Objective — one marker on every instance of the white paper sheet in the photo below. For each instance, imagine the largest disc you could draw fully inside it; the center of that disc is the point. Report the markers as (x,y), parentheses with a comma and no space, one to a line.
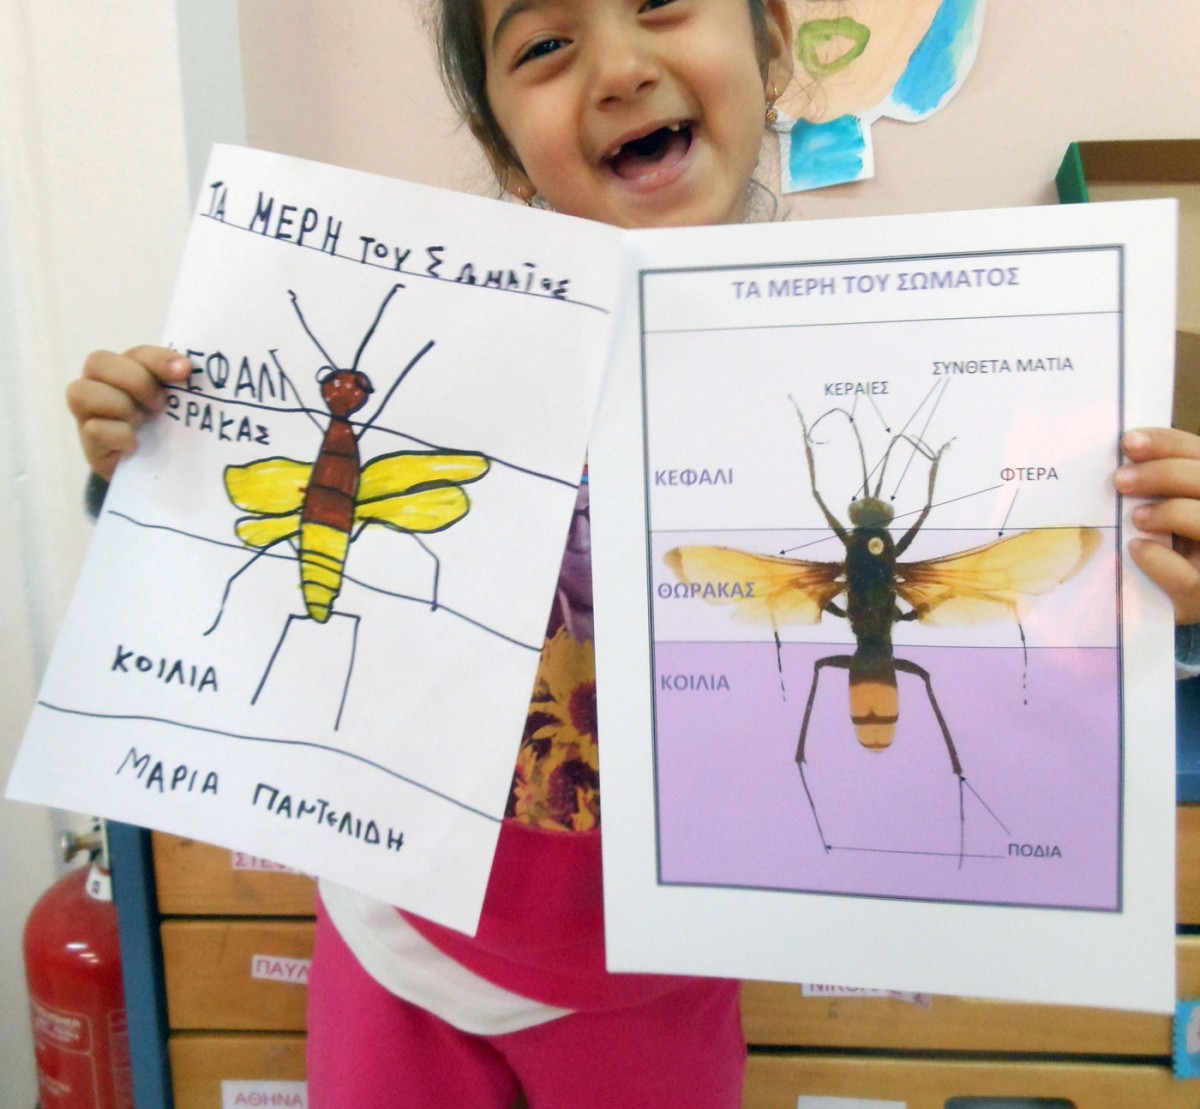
(984,365)
(378,745)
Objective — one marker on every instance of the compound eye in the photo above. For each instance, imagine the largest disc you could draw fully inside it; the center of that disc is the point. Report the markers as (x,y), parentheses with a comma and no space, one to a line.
(875,545)
(364,383)
(324,374)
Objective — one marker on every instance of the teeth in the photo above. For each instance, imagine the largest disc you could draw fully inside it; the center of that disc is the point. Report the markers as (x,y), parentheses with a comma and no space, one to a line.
(674,128)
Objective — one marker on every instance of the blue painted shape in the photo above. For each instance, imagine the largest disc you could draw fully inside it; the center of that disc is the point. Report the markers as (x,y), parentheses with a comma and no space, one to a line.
(1187,1039)
(826,153)
(933,69)
(141,964)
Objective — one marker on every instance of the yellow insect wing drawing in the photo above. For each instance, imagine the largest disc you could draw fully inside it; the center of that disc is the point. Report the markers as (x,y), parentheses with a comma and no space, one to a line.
(763,587)
(423,511)
(989,583)
(398,473)
(269,487)
(264,531)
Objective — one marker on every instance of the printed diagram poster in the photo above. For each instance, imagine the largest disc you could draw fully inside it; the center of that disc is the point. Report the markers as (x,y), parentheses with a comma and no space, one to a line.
(896,699)
(309,624)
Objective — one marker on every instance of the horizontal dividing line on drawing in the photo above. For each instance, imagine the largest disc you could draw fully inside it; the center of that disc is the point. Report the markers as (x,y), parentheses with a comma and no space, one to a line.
(321,413)
(926,529)
(306,743)
(865,323)
(406,273)
(886,259)
(424,601)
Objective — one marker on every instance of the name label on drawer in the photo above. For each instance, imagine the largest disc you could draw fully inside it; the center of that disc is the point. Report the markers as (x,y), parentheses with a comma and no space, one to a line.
(276,968)
(287,1095)
(242,861)
(813,990)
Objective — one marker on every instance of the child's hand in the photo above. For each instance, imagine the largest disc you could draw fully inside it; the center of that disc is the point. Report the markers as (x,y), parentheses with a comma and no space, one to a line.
(115,394)
(1165,463)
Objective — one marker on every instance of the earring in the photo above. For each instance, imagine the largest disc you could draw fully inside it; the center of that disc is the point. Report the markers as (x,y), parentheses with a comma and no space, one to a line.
(526,195)
(772,113)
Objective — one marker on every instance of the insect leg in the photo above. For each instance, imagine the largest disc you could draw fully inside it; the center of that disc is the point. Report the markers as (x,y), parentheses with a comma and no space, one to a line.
(233,577)
(919,671)
(842,662)
(935,458)
(271,662)
(350,668)
(437,565)
(830,518)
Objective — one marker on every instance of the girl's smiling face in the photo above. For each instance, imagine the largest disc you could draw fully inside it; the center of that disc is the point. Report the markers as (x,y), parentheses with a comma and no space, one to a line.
(639,113)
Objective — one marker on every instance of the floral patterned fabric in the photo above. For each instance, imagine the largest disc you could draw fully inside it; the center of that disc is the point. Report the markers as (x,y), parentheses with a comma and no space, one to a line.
(557,780)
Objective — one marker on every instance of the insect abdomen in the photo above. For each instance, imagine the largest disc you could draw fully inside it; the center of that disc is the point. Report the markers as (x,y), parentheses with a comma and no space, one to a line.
(322,556)
(327,517)
(874,703)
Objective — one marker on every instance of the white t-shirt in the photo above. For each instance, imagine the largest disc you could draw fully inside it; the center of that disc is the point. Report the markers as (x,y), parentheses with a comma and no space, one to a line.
(404,962)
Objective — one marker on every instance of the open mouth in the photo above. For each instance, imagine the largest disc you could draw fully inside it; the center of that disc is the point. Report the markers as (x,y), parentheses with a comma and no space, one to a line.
(653,152)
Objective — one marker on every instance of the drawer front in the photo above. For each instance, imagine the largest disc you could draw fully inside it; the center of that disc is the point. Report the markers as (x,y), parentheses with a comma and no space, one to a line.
(229,975)
(779,1081)
(201,1062)
(1187,864)
(198,879)
(775,1014)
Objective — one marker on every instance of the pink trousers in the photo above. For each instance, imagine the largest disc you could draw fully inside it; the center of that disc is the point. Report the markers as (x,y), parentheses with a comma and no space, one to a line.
(368,1049)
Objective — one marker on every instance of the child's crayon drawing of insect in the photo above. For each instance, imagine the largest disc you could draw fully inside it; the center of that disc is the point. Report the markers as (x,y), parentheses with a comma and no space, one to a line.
(320,508)
(989,583)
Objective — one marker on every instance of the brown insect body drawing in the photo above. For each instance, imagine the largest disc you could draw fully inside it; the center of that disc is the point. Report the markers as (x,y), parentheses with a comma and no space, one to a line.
(320,508)
(877,590)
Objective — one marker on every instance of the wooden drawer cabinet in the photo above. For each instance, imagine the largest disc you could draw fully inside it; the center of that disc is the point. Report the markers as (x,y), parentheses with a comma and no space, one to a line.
(1187,865)
(197,879)
(237,938)
(776,1015)
(237,974)
(778,1081)
(234,938)
(201,1062)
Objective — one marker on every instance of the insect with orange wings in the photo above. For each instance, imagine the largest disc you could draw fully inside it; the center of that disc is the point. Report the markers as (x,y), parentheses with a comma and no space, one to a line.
(976,586)
(320,508)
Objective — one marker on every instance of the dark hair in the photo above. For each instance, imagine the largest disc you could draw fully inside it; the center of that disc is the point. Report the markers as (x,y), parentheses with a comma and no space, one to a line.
(462,53)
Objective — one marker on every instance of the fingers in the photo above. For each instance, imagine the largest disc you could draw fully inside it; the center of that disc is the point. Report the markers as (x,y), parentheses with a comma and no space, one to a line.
(115,394)
(1163,462)
(1164,468)
(1146,443)
(105,443)
(1176,574)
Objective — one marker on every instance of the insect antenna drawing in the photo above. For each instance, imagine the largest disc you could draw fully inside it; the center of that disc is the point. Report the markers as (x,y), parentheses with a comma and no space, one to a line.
(320,508)
(872,590)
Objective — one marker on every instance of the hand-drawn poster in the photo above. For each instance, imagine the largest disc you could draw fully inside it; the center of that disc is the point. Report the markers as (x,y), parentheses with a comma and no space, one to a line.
(884,704)
(310,620)
(856,63)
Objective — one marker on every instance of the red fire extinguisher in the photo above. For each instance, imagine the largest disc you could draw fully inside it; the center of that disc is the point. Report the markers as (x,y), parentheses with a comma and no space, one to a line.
(76,999)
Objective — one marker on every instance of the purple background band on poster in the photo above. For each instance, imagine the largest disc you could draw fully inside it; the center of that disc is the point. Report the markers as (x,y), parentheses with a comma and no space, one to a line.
(732,810)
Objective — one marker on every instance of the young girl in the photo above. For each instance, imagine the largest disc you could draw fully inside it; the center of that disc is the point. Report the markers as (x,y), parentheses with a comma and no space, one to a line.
(639,113)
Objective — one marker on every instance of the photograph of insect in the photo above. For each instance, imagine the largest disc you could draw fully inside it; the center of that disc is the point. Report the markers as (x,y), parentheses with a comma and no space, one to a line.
(873,590)
(321,507)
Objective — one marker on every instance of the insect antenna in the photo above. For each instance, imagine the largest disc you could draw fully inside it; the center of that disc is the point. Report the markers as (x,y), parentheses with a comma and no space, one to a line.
(862,454)
(396,385)
(374,324)
(308,330)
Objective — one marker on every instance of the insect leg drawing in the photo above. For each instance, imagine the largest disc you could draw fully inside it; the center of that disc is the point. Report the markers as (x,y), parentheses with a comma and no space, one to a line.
(877,591)
(320,508)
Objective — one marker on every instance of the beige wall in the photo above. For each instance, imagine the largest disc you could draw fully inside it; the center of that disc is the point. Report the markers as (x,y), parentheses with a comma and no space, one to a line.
(354,84)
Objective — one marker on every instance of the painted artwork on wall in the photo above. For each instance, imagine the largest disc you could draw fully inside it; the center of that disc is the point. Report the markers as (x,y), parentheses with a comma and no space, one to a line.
(860,61)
